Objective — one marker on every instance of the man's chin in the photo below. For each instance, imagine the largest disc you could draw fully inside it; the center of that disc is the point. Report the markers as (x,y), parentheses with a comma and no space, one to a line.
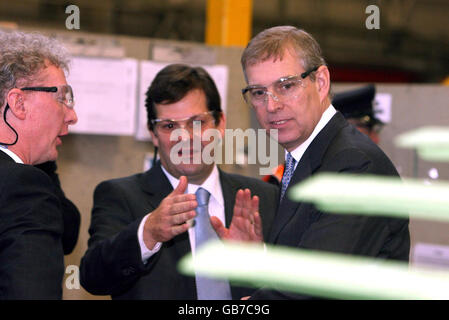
(190,169)
(52,156)
(45,159)
(194,171)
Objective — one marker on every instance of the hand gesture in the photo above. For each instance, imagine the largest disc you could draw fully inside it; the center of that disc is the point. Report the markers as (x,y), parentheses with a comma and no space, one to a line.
(171,217)
(246,224)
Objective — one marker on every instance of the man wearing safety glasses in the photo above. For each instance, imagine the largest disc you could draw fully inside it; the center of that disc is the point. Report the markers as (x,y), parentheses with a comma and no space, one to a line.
(36,106)
(289,90)
(143,224)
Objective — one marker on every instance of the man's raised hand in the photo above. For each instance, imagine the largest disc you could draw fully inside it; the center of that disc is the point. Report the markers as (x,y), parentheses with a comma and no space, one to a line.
(246,224)
(171,217)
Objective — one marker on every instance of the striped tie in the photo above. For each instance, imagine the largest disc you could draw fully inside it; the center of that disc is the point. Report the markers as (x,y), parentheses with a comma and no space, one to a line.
(288,173)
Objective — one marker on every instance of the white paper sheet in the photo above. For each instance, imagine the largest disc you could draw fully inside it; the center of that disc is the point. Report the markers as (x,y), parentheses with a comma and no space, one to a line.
(105,93)
(382,107)
(431,255)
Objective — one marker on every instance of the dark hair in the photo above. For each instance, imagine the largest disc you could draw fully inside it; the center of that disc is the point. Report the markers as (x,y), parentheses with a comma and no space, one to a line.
(174,82)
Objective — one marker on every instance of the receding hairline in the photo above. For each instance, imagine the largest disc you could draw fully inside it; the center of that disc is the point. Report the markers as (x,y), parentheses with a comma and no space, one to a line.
(278,55)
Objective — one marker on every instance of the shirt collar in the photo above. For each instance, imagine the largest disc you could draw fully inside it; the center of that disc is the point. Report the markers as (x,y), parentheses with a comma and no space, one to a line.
(301,149)
(211,184)
(11,154)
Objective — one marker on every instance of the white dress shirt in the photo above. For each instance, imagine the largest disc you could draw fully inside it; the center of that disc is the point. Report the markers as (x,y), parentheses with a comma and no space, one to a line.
(216,208)
(301,149)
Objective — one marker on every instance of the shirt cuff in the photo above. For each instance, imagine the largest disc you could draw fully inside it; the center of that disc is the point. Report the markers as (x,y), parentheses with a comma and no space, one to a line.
(146,253)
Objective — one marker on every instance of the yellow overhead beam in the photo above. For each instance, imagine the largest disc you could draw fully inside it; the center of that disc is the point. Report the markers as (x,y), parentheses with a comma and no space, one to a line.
(228,22)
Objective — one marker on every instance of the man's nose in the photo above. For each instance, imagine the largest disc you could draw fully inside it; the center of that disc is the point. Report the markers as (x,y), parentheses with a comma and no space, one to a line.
(71,116)
(273,104)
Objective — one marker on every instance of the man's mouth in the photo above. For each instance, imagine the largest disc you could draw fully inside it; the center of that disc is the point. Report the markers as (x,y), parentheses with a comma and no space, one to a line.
(278,122)
(189,152)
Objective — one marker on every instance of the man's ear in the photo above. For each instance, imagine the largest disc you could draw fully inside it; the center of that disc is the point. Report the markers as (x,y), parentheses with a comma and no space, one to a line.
(221,126)
(154,138)
(323,82)
(15,99)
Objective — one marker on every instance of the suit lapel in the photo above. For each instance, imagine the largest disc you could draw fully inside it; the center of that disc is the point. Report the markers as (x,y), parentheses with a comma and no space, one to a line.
(5,157)
(155,184)
(229,188)
(287,208)
(309,163)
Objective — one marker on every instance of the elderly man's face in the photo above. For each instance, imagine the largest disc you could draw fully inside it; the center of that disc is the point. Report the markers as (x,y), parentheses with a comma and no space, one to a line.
(296,118)
(47,118)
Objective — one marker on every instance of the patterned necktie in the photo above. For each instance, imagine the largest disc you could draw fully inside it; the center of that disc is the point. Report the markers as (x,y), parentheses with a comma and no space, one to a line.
(288,173)
(207,289)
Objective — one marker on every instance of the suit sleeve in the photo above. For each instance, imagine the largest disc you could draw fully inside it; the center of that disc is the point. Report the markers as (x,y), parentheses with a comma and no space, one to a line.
(350,234)
(31,256)
(70,214)
(113,261)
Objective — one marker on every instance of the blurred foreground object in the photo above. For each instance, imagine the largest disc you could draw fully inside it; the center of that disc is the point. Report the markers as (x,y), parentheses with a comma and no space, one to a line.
(327,275)
(375,195)
(431,143)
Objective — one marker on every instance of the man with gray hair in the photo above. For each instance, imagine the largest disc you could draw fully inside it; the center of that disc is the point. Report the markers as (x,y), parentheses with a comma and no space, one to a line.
(289,90)
(36,108)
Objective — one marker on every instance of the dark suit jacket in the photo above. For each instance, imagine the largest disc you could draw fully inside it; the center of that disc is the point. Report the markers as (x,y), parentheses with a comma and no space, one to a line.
(70,214)
(339,147)
(113,264)
(31,256)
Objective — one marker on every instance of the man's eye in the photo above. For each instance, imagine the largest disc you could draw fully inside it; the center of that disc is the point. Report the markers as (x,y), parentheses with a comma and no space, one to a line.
(257,93)
(169,125)
(288,85)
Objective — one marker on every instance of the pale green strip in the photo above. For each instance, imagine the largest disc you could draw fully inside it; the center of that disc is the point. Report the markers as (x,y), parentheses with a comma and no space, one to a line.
(315,273)
(431,143)
(375,195)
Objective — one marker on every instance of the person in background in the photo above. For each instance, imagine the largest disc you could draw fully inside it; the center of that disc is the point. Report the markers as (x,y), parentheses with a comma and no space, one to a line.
(36,108)
(143,224)
(357,107)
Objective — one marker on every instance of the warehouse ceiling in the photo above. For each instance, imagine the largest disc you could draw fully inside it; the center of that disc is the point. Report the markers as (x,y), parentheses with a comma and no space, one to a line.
(412,39)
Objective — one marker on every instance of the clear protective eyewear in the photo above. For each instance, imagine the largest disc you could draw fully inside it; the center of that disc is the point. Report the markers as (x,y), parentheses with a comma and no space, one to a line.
(204,119)
(63,94)
(284,89)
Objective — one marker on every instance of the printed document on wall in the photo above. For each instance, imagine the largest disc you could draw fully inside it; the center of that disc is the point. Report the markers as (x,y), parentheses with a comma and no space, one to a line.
(148,71)
(105,92)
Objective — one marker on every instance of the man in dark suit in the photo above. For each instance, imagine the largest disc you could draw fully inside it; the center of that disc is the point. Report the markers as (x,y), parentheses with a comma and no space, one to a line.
(143,224)
(70,214)
(289,90)
(37,108)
